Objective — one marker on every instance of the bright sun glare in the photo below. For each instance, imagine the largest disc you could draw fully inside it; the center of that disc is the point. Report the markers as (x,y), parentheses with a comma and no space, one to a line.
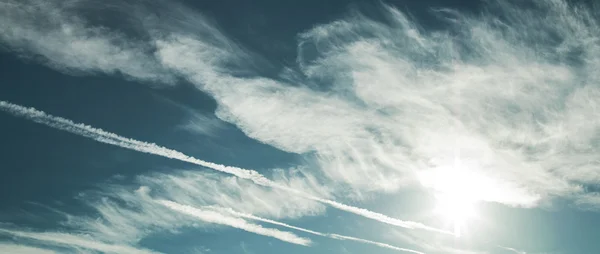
(455,209)
(456,195)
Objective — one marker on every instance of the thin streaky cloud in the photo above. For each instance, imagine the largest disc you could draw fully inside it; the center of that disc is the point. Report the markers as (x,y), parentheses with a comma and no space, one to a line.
(151,148)
(91,49)
(72,240)
(512,249)
(329,235)
(212,216)
(129,214)
(384,245)
(13,248)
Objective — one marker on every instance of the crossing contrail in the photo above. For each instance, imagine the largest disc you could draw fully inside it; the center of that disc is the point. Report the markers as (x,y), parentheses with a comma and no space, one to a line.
(211,216)
(329,235)
(151,148)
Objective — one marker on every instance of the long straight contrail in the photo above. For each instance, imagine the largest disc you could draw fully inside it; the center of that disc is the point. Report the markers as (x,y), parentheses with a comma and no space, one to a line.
(151,148)
(329,235)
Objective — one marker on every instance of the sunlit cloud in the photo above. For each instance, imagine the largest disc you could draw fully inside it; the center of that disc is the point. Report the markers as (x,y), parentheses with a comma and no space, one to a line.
(394,100)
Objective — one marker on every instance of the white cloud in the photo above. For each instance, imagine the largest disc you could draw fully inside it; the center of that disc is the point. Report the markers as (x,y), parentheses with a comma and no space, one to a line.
(55,32)
(433,244)
(126,216)
(22,249)
(198,123)
(72,240)
(383,103)
(510,93)
(203,125)
(218,218)
(198,188)
(515,98)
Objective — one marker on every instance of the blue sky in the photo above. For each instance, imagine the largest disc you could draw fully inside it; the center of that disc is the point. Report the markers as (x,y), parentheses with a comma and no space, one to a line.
(299,126)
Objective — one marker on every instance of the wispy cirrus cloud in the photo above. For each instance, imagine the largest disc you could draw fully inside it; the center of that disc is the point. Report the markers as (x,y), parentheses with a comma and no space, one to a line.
(62,39)
(73,240)
(385,102)
(218,218)
(7,247)
(124,215)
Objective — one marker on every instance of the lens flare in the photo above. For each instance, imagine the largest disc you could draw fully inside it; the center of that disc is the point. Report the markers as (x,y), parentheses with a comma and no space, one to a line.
(456,191)
(455,209)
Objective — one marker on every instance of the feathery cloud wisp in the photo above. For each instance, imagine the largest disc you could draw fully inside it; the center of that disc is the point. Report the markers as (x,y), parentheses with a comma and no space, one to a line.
(12,248)
(218,218)
(72,240)
(91,49)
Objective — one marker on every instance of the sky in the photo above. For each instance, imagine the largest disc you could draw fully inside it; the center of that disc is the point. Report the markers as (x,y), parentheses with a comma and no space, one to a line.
(217,127)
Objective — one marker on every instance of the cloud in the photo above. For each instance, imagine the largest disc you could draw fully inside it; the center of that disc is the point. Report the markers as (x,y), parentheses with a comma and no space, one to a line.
(375,101)
(386,101)
(22,249)
(62,39)
(121,217)
(512,250)
(589,201)
(68,240)
(375,106)
(218,218)
(126,215)
(199,188)
(197,122)
(433,244)
(203,125)
(481,88)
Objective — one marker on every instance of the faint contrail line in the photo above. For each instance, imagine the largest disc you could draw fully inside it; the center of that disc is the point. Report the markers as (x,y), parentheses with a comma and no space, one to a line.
(511,249)
(215,217)
(74,241)
(151,148)
(329,235)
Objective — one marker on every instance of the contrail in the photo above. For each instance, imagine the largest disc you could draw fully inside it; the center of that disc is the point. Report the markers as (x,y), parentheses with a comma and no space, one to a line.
(211,216)
(329,235)
(511,249)
(151,148)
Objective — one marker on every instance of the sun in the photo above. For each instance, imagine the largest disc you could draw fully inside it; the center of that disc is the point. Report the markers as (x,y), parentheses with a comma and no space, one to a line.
(455,209)
(456,192)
